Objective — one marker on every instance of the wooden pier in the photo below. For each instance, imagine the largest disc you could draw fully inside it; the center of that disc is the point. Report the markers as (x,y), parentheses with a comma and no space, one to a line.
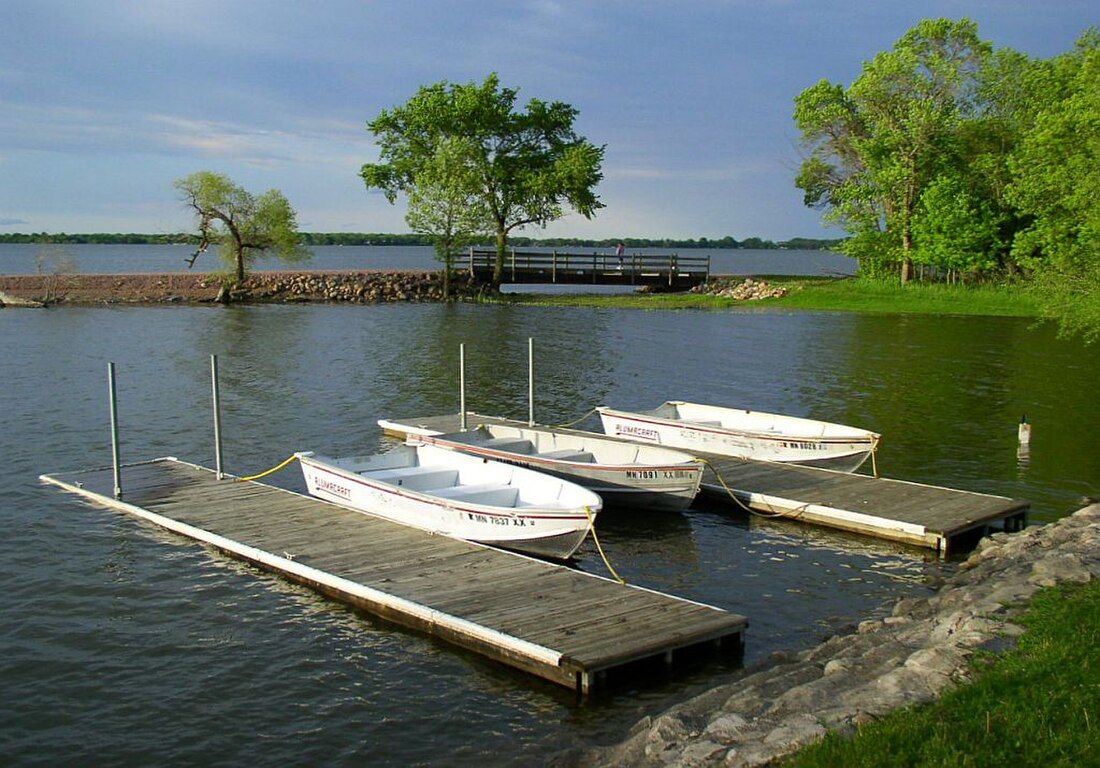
(671,272)
(897,510)
(549,620)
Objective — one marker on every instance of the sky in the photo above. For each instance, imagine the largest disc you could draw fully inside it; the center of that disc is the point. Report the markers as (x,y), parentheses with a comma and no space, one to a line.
(105,103)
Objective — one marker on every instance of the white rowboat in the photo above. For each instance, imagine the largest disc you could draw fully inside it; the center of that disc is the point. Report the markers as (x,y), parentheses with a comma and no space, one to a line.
(461,496)
(744,434)
(622,473)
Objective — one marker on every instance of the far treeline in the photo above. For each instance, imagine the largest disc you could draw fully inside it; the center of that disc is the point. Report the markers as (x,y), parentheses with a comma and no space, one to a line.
(376,238)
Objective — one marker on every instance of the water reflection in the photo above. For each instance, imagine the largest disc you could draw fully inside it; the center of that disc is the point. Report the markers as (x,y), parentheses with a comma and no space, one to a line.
(128,607)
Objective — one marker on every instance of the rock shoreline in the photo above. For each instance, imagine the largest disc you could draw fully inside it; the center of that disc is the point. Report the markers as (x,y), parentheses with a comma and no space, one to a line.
(260,287)
(913,655)
(740,289)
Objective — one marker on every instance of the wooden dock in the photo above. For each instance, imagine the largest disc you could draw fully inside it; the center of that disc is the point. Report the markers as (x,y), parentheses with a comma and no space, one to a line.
(897,510)
(671,271)
(549,620)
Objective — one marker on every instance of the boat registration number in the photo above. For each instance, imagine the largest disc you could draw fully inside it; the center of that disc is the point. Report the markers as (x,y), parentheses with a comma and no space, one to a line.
(518,522)
(653,474)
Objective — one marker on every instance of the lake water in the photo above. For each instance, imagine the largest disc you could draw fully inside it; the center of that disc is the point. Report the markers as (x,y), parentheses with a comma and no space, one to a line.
(125,645)
(22,259)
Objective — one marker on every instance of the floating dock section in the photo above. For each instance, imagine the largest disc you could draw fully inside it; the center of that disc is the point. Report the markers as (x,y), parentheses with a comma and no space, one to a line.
(896,510)
(550,620)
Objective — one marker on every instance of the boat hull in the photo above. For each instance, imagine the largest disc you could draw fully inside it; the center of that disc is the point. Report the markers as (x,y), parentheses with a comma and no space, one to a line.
(666,486)
(796,444)
(553,531)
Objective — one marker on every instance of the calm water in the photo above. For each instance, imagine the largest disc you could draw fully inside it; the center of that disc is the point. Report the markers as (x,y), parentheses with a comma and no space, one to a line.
(124,645)
(23,259)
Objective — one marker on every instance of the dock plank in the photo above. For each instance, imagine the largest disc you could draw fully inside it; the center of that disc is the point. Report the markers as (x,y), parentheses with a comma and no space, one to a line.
(520,611)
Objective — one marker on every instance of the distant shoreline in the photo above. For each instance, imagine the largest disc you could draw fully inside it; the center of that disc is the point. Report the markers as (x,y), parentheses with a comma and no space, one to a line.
(299,286)
(388,239)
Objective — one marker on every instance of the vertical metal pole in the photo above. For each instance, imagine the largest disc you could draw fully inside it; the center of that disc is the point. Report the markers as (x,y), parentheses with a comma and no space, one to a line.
(114,429)
(217,416)
(530,382)
(462,386)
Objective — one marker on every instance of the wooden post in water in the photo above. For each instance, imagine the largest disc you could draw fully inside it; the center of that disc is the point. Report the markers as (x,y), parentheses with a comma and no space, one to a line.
(530,382)
(462,386)
(114,429)
(1023,446)
(217,416)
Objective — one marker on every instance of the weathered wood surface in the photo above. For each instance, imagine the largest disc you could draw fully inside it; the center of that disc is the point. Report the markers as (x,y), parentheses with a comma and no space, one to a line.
(544,618)
(898,510)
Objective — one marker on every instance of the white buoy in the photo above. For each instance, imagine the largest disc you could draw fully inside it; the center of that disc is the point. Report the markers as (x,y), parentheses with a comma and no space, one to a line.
(1024,432)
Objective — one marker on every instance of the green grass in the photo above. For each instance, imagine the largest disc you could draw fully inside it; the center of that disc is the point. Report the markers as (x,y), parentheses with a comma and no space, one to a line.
(1037,705)
(824,293)
(885,296)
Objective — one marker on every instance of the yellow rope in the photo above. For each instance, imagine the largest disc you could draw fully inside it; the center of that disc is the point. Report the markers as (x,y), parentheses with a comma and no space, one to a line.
(767,515)
(595,538)
(271,471)
(577,421)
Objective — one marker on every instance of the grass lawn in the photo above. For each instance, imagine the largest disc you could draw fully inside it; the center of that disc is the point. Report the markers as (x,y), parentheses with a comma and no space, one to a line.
(823,293)
(1037,705)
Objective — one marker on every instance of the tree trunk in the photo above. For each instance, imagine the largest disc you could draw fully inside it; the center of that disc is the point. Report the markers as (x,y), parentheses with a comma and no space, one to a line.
(240,266)
(906,249)
(498,267)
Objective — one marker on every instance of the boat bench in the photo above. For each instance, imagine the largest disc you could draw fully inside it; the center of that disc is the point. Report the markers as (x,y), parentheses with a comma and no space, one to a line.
(568,454)
(509,444)
(494,494)
(416,478)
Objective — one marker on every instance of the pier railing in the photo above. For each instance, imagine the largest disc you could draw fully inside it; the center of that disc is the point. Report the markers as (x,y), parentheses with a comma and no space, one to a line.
(667,270)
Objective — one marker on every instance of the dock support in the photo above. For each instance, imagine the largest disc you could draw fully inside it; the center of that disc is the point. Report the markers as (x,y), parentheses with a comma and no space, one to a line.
(114,430)
(217,417)
(462,386)
(530,382)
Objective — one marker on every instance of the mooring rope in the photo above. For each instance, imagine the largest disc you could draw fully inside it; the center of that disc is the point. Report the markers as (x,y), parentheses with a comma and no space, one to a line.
(576,421)
(271,471)
(599,547)
(772,513)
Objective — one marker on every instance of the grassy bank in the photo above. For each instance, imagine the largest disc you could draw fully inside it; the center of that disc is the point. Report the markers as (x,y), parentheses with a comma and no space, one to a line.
(825,293)
(1036,705)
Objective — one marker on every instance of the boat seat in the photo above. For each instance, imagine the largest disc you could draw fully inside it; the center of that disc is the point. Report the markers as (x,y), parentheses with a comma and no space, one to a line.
(416,478)
(568,454)
(493,494)
(508,444)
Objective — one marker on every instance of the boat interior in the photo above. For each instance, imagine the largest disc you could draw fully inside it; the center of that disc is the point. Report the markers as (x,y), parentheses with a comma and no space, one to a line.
(564,447)
(445,482)
(755,421)
(527,448)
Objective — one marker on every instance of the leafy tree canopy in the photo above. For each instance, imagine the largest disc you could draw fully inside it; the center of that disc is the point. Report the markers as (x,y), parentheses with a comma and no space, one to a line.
(243,225)
(444,204)
(875,147)
(1056,175)
(528,166)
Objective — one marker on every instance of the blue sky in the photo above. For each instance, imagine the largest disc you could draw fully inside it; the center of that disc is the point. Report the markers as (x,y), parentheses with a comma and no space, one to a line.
(104,103)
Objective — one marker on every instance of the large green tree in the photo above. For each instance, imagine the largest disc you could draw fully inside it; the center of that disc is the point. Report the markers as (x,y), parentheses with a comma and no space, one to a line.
(529,165)
(244,226)
(1056,180)
(955,231)
(443,202)
(875,147)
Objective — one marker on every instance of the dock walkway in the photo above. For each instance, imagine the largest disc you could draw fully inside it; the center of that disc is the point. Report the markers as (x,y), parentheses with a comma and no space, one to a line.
(924,515)
(670,271)
(549,620)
